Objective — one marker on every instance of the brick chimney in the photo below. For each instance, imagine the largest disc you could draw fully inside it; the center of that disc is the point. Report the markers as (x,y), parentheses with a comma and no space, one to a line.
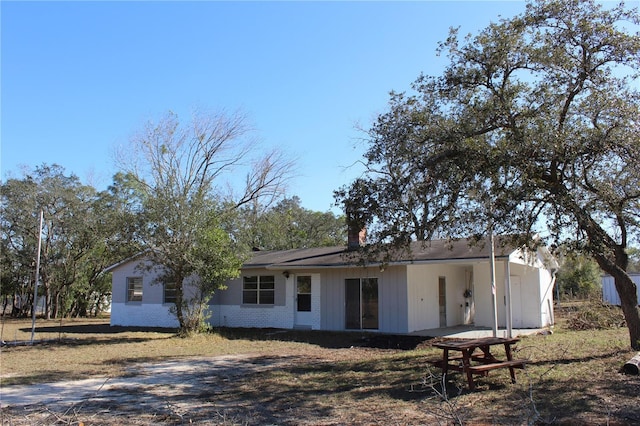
(356,229)
(356,237)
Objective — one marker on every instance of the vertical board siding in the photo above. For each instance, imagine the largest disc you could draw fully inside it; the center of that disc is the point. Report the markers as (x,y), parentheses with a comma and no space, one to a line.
(332,295)
(316,301)
(422,298)
(392,297)
(610,294)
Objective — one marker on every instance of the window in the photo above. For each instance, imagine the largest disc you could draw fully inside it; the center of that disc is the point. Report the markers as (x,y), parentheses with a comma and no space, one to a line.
(169,292)
(258,290)
(304,293)
(134,289)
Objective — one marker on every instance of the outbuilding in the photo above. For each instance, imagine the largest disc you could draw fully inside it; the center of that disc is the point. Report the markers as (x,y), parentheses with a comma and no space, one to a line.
(610,294)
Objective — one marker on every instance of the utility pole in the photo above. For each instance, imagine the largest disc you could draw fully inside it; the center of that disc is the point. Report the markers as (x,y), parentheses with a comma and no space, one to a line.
(35,287)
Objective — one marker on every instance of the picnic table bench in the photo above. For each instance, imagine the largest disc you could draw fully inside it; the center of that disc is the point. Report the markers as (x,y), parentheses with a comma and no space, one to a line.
(460,355)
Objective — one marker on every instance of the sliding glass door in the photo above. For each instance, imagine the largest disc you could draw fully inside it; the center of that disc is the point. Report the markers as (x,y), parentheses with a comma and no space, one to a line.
(361,308)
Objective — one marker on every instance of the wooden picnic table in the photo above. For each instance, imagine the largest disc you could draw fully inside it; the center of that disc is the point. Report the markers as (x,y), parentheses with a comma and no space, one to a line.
(471,362)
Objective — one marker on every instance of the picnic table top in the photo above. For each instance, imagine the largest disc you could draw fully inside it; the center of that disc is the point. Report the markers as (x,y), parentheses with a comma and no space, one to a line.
(462,344)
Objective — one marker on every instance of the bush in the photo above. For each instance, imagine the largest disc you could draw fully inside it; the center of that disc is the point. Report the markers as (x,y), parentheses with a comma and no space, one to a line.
(579,277)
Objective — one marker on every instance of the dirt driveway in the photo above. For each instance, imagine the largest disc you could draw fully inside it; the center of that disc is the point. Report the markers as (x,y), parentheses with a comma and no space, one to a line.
(169,392)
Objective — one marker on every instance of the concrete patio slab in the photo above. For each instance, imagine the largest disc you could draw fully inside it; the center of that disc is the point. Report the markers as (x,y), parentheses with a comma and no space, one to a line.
(472,332)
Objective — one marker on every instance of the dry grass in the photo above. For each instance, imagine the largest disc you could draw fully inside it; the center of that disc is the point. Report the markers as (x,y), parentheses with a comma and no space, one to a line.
(81,347)
(338,378)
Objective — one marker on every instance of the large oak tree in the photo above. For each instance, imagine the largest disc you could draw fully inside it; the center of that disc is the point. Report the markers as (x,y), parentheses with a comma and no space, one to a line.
(534,125)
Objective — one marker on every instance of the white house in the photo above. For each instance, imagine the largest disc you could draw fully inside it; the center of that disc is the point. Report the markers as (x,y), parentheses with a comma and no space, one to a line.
(610,294)
(439,284)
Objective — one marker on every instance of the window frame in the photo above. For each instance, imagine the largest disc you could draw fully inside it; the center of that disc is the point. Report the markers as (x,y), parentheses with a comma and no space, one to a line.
(164,293)
(264,292)
(132,285)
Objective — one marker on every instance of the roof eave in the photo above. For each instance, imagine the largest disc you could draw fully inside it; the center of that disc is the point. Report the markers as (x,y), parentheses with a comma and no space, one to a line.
(283,266)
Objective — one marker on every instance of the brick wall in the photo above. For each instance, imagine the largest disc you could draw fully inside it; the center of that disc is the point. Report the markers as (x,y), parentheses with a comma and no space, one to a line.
(142,315)
(252,316)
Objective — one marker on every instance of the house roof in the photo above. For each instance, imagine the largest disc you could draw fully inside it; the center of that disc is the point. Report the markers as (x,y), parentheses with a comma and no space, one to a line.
(138,255)
(434,251)
(419,252)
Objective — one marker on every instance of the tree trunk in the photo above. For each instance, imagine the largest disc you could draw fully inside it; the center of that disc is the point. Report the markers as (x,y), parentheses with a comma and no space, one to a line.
(616,266)
(179,298)
(627,290)
(614,263)
(55,304)
(47,300)
(31,304)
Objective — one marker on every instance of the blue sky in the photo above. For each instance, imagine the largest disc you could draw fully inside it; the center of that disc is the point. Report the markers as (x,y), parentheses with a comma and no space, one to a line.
(79,78)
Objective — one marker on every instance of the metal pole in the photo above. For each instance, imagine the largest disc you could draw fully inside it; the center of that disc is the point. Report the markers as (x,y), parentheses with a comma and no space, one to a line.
(492,271)
(507,282)
(35,287)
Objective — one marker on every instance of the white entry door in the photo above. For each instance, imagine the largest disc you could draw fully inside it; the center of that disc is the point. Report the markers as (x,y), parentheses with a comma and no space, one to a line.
(303,314)
(516,301)
(442,300)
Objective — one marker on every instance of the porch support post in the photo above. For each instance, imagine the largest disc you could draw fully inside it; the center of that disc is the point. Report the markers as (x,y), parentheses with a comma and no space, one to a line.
(507,284)
(492,272)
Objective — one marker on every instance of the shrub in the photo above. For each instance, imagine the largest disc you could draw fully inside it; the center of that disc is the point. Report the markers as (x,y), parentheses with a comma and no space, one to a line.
(579,277)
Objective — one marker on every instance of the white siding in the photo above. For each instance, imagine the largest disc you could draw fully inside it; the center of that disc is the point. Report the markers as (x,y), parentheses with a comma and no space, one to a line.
(482,293)
(534,309)
(547,282)
(423,305)
(531,294)
(609,292)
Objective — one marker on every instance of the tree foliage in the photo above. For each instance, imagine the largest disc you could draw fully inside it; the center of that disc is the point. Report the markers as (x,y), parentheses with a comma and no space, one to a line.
(177,171)
(634,259)
(533,124)
(579,276)
(287,225)
(79,239)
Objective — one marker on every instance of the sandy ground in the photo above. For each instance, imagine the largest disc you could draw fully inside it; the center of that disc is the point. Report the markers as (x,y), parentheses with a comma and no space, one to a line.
(168,388)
